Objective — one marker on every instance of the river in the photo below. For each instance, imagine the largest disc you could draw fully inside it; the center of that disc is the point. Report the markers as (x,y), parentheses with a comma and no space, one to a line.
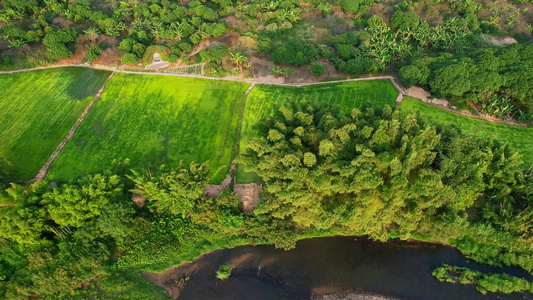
(339,267)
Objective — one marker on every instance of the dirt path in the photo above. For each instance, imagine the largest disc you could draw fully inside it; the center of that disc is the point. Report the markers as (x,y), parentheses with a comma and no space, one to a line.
(265,81)
(239,122)
(42,172)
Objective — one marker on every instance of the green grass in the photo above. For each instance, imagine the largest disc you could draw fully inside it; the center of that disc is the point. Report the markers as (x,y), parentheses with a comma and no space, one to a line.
(519,138)
(154,120)
(37,109)
(263,99)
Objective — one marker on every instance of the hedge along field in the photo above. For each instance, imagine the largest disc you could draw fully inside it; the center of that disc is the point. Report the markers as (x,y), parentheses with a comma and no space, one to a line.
(37,109)
(154,120)
(263,99)
(519,138)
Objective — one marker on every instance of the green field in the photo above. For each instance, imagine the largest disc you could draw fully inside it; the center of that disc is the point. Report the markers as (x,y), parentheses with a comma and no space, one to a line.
(519,138)
(263,99)
(37,109)
(154,120)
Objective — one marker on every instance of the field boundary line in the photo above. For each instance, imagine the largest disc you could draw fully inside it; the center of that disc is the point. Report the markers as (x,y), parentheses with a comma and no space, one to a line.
(392,79)
(239,122)
(42,172)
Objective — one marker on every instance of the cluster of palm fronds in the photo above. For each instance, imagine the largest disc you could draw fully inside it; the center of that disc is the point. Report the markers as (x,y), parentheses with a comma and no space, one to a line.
(502,107)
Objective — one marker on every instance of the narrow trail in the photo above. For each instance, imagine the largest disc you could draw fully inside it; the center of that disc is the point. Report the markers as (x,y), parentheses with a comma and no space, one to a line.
(254,81)
(239,122)
(42,172)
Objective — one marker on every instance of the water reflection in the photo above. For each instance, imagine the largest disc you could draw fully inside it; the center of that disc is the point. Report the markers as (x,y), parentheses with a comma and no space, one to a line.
(341,267)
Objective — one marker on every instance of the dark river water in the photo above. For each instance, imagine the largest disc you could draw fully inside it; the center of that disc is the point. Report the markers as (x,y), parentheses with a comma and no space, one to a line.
(342,266)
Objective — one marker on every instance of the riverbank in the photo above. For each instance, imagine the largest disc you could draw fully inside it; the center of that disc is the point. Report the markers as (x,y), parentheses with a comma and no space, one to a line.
(323,269)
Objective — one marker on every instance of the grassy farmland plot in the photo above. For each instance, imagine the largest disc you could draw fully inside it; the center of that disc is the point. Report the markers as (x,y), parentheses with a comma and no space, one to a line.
(519,138)
(264,99)
(37,109)
(153,120)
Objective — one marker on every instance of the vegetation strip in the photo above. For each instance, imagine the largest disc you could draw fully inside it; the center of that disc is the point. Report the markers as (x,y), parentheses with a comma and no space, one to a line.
(42,172)
(241,117)
(517,137)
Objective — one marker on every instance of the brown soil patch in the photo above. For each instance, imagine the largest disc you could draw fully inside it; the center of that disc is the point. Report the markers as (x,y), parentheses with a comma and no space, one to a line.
(62,22)
(173,279)
(230,39)
(311,14)
(502,41)
(425,96)
(110,57)
(248,195)
(213,190)
(80,54)
(138,198)
(382,10)
(261,70)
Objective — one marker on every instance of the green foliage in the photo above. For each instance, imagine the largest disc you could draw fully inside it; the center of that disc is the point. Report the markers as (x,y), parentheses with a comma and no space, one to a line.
(263,101)
(175,192)
(514,136)
(223,272)
(483,75)
(93,53)
(57,42)
(356,6)
(24,218)
(404,21)
(130,59)
(401,171)
(215,53)
(484,282)
(76,203)
(318,69)
(221,214)
(293,52)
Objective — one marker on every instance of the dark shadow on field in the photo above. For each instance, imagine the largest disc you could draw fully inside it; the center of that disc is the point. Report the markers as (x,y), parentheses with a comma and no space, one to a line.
(86,84)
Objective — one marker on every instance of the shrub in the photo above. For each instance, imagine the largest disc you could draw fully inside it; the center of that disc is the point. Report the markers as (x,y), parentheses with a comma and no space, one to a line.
(94,52)
(130,59)
(264,44)
(215,53)
(56,42)
(223,272)
(404,21)
(318,69)
(294,52)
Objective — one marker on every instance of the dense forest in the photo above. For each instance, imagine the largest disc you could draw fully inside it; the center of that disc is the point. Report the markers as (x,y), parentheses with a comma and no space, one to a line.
(302,38)
(372,172)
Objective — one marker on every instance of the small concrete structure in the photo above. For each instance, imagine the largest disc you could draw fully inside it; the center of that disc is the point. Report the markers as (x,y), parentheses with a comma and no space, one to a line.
(157,63)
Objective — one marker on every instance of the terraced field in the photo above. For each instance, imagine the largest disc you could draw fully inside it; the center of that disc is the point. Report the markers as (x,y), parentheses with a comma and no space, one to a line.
(37,109)
(154,120)
(264,99)
(519,138)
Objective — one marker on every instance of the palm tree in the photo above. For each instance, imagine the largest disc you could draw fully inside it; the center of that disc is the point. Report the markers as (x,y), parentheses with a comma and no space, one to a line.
(92,33)
(238,59)
(177,31)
